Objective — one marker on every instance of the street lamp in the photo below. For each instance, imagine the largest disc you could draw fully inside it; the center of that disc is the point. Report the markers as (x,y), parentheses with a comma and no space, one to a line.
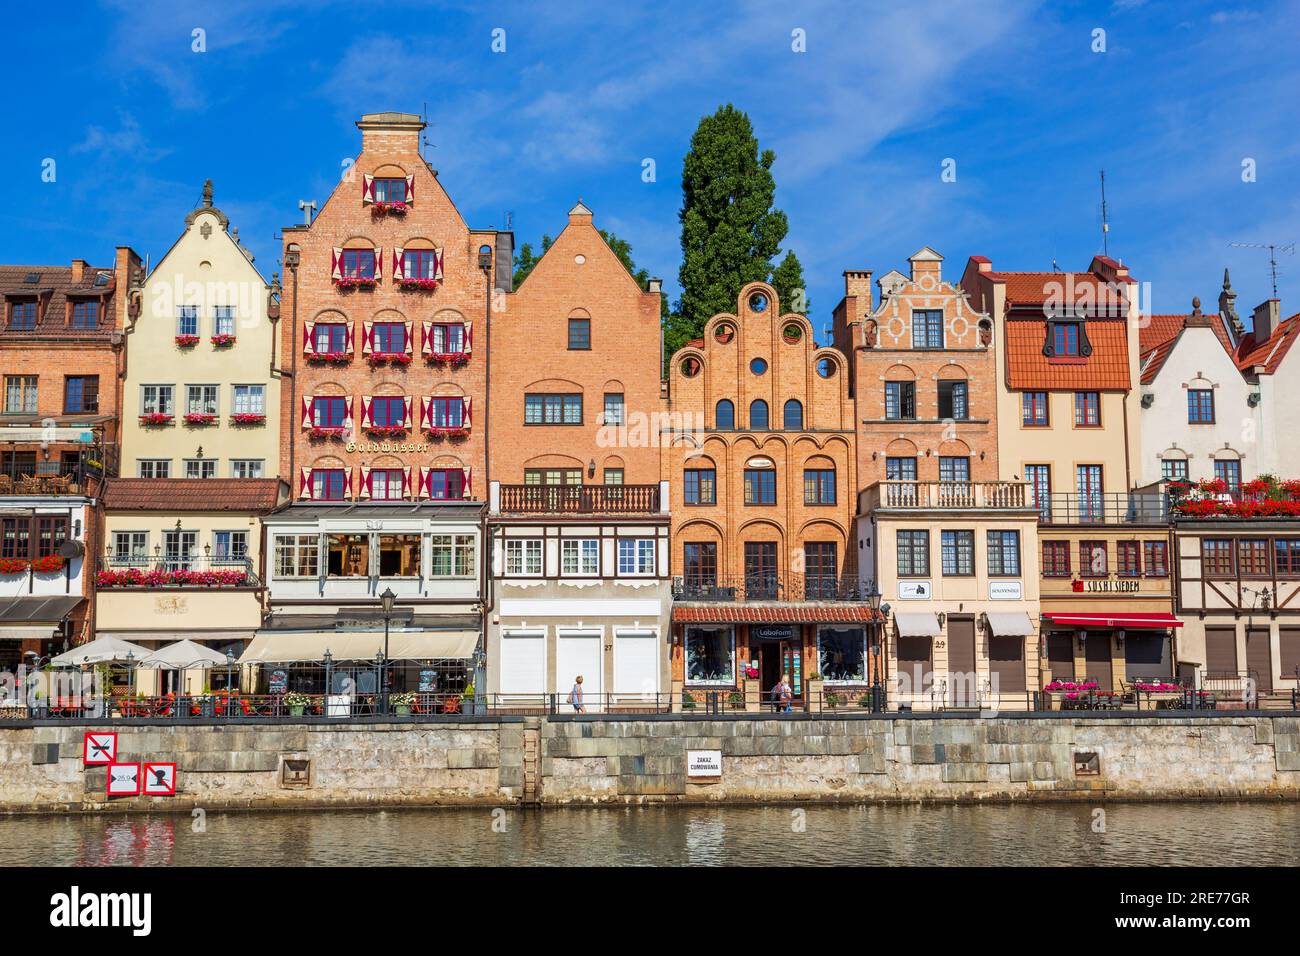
(873,601)
(386,601)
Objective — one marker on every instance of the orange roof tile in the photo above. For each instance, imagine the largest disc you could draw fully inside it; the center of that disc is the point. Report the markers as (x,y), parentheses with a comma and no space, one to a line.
(1271,352)
(1159,334)
(1105,370)
(191,494)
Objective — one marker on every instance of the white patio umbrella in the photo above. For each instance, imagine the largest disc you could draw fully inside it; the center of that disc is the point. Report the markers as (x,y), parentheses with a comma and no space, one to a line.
(98,651)
(185,654)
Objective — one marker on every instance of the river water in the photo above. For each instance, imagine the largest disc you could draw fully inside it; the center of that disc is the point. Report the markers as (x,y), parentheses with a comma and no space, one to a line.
(1193,834)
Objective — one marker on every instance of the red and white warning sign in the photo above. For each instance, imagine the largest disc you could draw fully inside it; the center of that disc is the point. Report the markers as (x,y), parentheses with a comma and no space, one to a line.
(123,779)
(99,747)
(160,780)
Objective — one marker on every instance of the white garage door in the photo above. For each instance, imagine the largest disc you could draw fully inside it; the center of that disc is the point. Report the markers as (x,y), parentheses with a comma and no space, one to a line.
(636,663)
(523,664)
(579,652)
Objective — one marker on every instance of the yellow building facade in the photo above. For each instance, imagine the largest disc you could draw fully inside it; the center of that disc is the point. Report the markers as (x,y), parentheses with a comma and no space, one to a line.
(200,399)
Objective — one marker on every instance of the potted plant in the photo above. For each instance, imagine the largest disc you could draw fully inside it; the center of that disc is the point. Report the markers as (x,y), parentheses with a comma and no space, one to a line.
(815,697)
(222,340)
(737,700)
(688,700)
(402,704)
(832,701)
(187,341)
(296,702)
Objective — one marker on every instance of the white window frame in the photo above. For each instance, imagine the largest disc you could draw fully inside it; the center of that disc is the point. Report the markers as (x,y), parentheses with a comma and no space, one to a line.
(201,462)
(241,534)
(245,404)
(155,462)
(223,320)
(185,313)
(632,562)
(260,464)
(297,544)
(158,404)
(580,557)
(137,547)
(526,550)
(206,391)
(464,551)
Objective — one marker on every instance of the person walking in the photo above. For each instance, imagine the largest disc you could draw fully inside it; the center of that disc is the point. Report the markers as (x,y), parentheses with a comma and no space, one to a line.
(782,695)
(575,696)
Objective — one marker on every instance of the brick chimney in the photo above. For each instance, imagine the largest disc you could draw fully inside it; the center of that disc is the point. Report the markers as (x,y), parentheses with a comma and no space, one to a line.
(1268,314)
(390,134)
(79,269)
(857,285)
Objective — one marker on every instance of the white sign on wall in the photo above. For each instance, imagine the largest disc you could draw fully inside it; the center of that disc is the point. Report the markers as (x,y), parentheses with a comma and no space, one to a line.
(914,591)
(704,763)
(1005,591)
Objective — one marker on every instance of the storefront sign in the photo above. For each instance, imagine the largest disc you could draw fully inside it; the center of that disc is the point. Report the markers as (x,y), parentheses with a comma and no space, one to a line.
(704,764)
(278,681)
(914,591)
(160,780)
(428,681)
(771,632)
(1005,591)
(1110,587)
(387,447)
(123,780)
(99,748)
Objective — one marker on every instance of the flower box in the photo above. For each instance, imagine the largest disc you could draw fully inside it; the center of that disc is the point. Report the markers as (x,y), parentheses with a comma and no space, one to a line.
(387,431)
(438,432)
(418,285)
(356,282)
(157,577)
(50,564)
(326,432)
(397,358)
(199,418)
(333,358)
(386,208)
(247,418)
(455,359)
(222,340)
(153,419)
(187,341)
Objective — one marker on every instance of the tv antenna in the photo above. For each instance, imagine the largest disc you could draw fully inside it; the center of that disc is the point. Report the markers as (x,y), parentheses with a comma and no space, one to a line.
(1273,249)
(1105,221)
(424,137)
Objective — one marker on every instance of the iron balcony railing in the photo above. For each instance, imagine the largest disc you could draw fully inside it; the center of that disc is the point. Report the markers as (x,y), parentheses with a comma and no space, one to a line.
(764,586)
(1102,508)
(580,499)
(950,495)
(164,570)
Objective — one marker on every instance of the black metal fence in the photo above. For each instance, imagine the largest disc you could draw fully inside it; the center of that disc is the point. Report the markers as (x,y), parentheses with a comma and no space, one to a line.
(769,586)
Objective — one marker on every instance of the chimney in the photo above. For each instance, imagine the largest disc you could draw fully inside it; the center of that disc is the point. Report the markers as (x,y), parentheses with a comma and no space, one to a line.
(79,269)
(857,285)
(1265,321)
(579,214)
(128,275)
(391,134)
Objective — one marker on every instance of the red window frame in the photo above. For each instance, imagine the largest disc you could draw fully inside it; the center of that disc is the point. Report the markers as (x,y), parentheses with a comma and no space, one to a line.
(1065,339)
(329,345)
(328,403)
(1087,409)
(388,403)
(1286,556)
(419,263)
(329,474)
(1155,559)
(1056,559)
(394,478)
(1031,405)
(1254,560)
(451,480)
(1086,550)
(1128,559)
(447,403)
(357,264)
(1222,564)
(446,327)
(389,329)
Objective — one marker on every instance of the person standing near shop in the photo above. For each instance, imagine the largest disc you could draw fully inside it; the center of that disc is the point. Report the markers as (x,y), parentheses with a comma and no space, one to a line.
(575,696)
(782,695)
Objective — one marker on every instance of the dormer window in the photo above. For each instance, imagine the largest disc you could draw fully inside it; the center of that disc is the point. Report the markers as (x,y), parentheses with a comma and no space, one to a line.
(22,315)
(85,314)
(1066,339)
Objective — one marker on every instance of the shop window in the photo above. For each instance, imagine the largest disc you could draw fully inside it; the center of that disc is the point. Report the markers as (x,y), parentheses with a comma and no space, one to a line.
(710,655)
(842,654)
(349,555)
(399,555)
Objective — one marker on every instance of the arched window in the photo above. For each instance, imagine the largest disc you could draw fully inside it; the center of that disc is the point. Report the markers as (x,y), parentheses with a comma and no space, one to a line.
(793,415)
(758,415)
(724,417)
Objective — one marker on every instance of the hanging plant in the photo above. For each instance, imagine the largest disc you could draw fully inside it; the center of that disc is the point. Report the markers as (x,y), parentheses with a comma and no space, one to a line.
(223,340)
(199,418)
(356,282)
(333,358)
(156,418)
(247,418)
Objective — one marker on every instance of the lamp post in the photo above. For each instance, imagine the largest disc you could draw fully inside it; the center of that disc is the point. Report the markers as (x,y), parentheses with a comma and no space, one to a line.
(873,601)
(386,601)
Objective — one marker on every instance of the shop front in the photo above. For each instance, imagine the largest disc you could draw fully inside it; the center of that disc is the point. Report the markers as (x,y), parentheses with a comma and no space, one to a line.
(1113,651)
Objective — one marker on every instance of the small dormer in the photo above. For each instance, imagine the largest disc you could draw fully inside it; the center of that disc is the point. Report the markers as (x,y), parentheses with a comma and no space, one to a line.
(925,262)
(890,283)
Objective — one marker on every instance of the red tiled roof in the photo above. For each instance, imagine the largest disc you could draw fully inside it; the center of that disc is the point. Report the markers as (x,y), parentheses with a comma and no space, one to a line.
(1159,333)
(52,287)
(1035,288)
(191,494)
(1270,353)
(774,613)
(1106,369)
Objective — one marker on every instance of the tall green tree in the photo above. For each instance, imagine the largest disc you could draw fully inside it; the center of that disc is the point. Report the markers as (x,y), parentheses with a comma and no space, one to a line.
(526,259)
(787,279)
(730,230)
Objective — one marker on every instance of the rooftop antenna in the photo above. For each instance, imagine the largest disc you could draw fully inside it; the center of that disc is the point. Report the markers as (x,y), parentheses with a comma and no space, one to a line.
(1105,222)
(1273,249)
(424,140)
(510,220)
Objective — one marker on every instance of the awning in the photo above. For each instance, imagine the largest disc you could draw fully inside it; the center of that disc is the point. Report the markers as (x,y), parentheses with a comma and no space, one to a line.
(37,610)
(41,632)
(1136,621)
(746,613)
(99,651)
(283,647)
(221,637)
(1009,623)
(917,624)
(183,654)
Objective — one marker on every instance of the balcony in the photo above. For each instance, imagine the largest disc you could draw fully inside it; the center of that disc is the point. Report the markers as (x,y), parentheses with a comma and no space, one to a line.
(577,499)
(1260,498)
(121,572)
(946,496)
(789,587)
(1103,508)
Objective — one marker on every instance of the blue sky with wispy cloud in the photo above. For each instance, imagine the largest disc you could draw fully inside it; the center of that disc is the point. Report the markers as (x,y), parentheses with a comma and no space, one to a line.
(861,124)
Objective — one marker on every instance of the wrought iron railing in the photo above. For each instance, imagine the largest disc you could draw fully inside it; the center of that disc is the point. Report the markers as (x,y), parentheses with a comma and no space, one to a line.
(1102,508)
(764,586)
(579,499)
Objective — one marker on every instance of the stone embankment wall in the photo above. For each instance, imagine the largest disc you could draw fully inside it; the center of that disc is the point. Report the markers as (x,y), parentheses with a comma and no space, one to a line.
(591,760)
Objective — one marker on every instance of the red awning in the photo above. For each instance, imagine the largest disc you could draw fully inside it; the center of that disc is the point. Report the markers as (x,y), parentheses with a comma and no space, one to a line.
(775,614)
(1115,620)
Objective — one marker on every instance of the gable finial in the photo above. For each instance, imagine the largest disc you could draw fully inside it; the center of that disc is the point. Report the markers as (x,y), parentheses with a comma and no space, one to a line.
(207,193)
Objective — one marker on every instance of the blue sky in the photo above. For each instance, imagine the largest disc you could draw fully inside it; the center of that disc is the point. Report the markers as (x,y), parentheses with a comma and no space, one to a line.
(861,124)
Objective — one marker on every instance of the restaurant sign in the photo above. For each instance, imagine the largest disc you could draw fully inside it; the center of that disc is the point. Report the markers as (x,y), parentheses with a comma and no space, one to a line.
(387,447)
(704,764)
(914,591)
(1106,586)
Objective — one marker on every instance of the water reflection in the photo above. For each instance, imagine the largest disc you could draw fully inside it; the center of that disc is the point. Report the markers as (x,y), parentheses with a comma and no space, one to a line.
(1204,834)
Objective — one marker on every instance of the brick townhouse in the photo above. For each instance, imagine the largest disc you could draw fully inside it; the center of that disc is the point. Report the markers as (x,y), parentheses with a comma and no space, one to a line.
(578,513)
(61,357)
